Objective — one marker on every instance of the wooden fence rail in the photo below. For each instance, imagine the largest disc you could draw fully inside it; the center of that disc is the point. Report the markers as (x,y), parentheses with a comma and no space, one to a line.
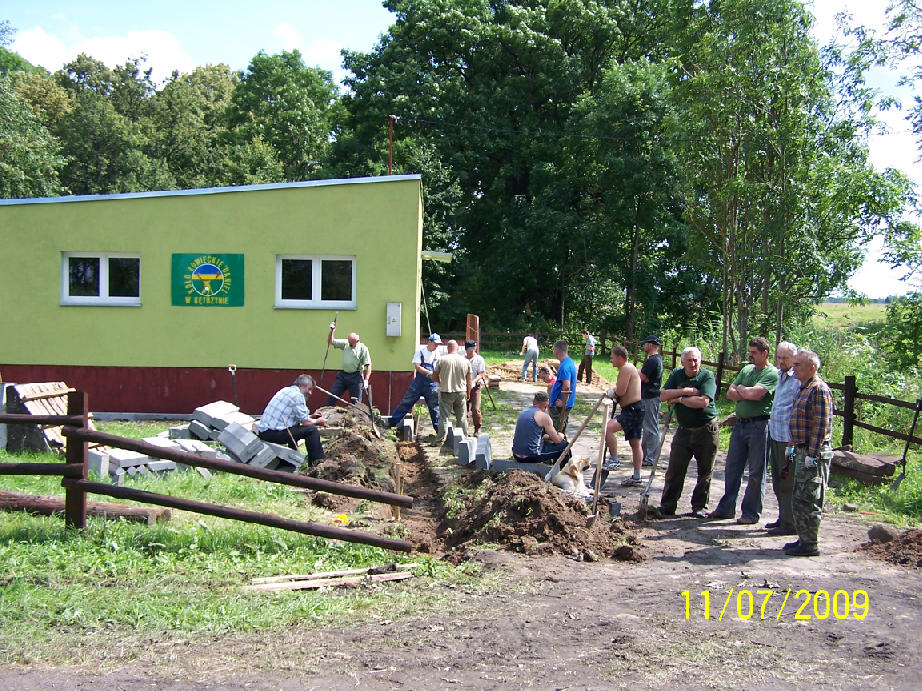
(75,470)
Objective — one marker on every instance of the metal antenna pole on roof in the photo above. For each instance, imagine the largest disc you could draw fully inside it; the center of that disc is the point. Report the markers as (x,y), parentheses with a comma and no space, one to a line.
(422,291)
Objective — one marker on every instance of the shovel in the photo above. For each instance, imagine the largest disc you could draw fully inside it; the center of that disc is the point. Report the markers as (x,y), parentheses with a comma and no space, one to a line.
(371,411)
(554,468)
(645,496)
(896,483)
(353,405)
(324,369)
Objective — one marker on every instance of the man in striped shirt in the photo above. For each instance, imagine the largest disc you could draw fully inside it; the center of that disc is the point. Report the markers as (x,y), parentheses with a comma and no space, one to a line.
(287,419)
(811,426)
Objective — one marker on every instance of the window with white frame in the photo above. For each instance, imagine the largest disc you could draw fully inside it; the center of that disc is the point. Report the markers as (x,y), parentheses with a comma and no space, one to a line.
(100,278)
(314,282)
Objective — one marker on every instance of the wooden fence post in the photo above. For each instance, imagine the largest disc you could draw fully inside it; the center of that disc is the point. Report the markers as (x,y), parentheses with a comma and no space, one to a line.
(675,356)
(720,372)
(76,452)
(848,426)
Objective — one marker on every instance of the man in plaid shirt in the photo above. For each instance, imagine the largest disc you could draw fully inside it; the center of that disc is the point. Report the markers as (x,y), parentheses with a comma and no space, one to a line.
(811,425)
(287,419)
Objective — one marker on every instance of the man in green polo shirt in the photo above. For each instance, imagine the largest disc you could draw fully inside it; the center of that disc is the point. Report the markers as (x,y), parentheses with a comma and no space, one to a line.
(356,367)
(753,390)
(691,391)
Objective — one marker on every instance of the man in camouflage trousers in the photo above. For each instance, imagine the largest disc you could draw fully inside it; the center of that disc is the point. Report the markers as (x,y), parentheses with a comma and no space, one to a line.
(811,425)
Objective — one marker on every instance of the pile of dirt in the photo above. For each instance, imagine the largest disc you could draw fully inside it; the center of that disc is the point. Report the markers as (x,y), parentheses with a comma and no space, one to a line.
(905,549)
(355,457)
(520,512)
(511,370)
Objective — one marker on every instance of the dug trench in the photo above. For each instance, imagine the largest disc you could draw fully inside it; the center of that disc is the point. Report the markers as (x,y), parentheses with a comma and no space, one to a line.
(712,604)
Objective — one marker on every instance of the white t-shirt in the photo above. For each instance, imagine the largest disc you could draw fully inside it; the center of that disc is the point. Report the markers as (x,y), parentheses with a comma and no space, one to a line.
(425,357)
(530,343)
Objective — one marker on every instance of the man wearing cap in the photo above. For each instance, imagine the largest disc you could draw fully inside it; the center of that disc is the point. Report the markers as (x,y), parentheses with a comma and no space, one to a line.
(452,372)
(535,439)
(478,380)
(356,367)
(287,419)
(585,364)
(651,378)
(422,385)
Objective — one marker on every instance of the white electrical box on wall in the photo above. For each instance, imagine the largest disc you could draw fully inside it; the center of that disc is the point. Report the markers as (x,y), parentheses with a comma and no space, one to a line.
(393,319)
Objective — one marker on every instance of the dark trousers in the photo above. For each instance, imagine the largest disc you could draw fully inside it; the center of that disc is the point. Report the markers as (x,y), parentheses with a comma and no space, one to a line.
(290,437)
(782,482)
(549,453)
(700,442)
(351,381)
(424,387)
(585,365)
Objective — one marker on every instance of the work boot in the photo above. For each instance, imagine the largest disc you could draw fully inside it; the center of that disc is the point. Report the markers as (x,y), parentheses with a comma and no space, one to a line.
(778,531)
(791,545)
(802,550)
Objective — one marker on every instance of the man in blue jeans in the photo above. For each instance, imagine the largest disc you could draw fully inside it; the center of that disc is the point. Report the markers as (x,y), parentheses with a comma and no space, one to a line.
(753,390)
(422,385)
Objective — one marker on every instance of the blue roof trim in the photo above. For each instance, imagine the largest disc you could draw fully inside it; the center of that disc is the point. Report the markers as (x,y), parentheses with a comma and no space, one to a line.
(211,190)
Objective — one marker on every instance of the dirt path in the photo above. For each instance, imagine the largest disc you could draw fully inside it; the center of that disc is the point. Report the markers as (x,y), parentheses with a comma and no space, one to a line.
(557,623)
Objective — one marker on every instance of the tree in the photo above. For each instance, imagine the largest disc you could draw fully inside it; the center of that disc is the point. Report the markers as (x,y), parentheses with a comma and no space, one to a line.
(30,158)
(901,336)
(288,105)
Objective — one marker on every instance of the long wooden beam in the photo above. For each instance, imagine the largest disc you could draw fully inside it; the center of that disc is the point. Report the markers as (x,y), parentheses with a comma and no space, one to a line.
(65,469)
(240,468)
(23,419)
(43,505)
(306,527)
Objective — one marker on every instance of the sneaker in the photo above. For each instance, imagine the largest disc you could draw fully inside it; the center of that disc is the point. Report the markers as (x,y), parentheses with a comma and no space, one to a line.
(747,520)
(696,513)
(631,482)
(647,463)
(611,463)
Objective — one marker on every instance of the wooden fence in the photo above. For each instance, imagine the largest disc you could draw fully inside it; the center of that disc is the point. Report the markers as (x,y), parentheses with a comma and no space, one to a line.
(75,480)
(850,393)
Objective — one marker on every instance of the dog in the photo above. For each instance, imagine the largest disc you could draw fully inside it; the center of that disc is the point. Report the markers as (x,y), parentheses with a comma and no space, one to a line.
(570,477)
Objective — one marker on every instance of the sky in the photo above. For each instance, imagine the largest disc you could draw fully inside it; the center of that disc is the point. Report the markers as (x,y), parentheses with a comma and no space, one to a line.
(183,35)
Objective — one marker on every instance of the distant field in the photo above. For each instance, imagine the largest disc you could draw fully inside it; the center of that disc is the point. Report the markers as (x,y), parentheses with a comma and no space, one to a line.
(844,314)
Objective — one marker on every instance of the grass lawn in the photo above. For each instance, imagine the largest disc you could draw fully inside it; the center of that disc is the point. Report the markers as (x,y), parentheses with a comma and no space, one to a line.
(106,592)
(840,314)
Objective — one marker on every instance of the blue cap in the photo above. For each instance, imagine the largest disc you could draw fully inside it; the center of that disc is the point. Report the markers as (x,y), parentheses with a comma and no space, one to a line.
(435,338)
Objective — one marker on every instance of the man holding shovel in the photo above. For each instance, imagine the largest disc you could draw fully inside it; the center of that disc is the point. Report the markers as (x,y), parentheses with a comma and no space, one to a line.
(478,380)
(630,419)
(356,367)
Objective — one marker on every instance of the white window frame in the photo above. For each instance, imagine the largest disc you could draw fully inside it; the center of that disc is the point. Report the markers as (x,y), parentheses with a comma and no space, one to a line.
(316,269)
(103,298)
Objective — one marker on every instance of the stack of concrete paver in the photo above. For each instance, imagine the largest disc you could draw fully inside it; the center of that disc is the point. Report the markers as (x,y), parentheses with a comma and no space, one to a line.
(477,452)
(236,432)
(219,423)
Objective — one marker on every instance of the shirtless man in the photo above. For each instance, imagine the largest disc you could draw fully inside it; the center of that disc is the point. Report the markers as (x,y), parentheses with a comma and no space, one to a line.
(630,419)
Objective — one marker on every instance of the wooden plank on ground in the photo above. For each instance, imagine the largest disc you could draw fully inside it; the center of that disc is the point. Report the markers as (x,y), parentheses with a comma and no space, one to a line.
(330,582)
(328,574)
(44,505)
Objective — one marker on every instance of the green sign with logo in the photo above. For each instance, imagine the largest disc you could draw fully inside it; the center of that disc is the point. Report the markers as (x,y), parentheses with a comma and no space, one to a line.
(207,280)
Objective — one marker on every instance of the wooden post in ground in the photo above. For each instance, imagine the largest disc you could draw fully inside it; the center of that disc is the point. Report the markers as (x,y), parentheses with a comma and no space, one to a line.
(720,372)
(848,411)
(76,451)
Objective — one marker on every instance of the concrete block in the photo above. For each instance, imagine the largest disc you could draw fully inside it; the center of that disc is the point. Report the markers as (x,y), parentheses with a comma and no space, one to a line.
(180,432)
(405,429)
(263,457)
(503,465)
(484,450)
(240,443)
(3,410)
(482,462)
(131,470)
(200,431)
(122,458)
(242,419)
(118,477)
(204,472)
(467,451)
(163,443)
(194,446)
(214,414)
(448,440)
(160,466)
(98,463)
(142,470)
(455,437)
(287,455)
